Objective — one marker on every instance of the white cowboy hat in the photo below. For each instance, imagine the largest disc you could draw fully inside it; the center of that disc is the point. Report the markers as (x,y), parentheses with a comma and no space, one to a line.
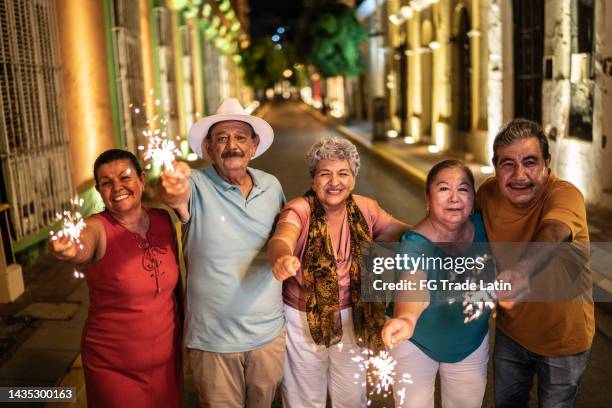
(230,109)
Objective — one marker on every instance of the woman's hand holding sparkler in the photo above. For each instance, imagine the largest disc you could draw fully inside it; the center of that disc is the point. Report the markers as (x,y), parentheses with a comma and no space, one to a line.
(285,267)
(63,247)
(66,243)
(408,308)
(398,329)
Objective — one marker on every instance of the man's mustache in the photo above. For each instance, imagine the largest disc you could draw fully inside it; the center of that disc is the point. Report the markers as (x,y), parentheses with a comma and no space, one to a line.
(232,153)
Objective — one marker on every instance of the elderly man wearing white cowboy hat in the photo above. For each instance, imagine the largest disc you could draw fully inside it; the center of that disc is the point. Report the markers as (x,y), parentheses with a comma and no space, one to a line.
(234,315)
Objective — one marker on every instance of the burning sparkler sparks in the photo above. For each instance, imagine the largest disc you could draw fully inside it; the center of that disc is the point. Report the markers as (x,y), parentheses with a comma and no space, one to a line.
(476,303)
(72,223)
(160,150)
(380,372)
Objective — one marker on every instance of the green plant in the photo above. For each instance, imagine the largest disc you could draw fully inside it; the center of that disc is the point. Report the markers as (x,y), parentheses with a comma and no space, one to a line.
(329,36)
(263,64)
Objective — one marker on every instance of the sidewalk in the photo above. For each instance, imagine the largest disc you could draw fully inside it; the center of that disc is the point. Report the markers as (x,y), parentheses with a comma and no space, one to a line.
(41,331)
(414,161)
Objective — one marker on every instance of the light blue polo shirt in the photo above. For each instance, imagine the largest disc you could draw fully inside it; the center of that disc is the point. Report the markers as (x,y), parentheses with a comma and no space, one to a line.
(234,304)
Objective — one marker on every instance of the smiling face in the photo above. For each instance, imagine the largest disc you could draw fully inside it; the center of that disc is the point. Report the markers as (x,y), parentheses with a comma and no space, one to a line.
(231,146)
(521,171)
(119,185)
(451,197)
(333,181)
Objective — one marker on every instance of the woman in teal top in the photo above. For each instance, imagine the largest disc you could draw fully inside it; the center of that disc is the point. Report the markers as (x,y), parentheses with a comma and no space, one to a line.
(428,334)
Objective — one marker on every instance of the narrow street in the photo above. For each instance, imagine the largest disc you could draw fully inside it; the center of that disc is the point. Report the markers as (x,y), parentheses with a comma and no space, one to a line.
(296,130)
(410,82)
(51,343)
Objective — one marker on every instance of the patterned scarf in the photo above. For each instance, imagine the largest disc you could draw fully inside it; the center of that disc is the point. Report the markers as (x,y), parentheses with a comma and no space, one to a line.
(321,281)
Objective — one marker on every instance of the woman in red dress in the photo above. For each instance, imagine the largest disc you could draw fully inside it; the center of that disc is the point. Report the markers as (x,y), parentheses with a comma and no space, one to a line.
(131,340)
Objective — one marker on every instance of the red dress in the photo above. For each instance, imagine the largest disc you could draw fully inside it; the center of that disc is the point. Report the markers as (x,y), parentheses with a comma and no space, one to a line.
(131,340)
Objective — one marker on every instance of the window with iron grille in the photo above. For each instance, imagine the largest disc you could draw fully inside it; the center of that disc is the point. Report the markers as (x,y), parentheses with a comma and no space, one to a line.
(211,60)
(128,65)
(35,174)
(528,18)
(185,32)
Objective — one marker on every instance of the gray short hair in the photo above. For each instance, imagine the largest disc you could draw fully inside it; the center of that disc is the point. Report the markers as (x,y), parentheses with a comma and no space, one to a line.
(332,148)
(520,129)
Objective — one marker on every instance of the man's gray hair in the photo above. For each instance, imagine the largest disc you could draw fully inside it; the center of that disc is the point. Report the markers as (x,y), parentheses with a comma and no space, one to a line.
(520,129)
(332,148)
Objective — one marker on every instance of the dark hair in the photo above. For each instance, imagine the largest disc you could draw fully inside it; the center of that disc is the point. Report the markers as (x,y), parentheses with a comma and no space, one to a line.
(209,133)
(446,164)
(114,155)
(520,129)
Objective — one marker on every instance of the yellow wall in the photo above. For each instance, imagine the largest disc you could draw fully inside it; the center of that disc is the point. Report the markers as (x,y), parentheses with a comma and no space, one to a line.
(86,84)
(147,57)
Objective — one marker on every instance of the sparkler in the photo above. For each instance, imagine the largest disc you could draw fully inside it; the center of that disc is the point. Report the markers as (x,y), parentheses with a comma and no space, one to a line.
(475,303)
(380,373)
(72,223)
(160,150)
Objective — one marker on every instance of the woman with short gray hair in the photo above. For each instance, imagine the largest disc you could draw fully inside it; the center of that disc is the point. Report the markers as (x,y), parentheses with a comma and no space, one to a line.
(316,252)
(333,148)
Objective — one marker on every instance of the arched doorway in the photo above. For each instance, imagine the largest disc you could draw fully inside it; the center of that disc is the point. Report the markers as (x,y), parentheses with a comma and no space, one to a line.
(462,80)
(426,78)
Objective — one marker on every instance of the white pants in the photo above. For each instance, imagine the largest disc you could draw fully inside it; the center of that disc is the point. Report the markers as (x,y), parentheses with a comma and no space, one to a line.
(462,383)
(311,369)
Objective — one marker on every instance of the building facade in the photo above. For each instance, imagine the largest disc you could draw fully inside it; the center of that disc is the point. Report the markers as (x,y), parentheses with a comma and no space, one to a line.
(449,73)
(80,77)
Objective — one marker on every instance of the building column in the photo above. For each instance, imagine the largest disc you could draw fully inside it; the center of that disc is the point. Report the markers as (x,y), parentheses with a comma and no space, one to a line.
(495,97)
(86,81)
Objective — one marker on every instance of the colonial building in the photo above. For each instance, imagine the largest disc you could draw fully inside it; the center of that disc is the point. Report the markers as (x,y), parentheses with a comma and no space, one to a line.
(80,77)
(449,73)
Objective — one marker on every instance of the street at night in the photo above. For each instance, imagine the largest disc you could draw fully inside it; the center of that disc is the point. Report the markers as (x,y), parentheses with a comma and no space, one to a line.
(305,204)
(51,345)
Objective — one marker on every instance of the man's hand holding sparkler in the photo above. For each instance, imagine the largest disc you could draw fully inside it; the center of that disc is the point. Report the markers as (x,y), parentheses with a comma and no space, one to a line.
(174,189)
(520,288)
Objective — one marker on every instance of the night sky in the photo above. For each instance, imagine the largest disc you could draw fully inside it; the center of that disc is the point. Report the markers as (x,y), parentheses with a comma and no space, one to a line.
(268,15)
